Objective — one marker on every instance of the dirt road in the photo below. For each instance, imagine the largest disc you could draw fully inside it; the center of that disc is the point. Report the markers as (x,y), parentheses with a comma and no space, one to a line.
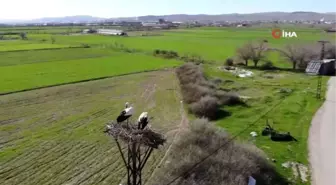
(322,140)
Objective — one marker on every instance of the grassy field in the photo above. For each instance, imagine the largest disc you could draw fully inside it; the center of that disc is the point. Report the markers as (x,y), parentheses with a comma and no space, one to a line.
(211,44)
(37,56)
(60,72)
(33,46)
(65,143)
(290,112)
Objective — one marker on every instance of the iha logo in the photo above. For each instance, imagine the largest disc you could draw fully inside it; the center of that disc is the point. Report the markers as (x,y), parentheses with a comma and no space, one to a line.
(277,34)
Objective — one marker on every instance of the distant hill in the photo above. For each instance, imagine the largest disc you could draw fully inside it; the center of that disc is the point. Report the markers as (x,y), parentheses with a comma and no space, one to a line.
(265,16)
(66,19)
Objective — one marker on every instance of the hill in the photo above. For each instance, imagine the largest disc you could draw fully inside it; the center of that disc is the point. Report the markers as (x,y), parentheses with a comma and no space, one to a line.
(265,16)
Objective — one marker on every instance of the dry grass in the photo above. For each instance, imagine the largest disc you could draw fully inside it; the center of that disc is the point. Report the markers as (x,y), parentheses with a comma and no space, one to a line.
(231,165)
(203,95)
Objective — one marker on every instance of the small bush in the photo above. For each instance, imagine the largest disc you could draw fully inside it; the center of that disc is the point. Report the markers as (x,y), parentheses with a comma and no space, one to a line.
(173,54)
(192,92)
(239,63)
(227,98)
(201,93)
(85,46)
(207,107)
(157,52)
(229,62)
(268,65)
(229,165)
(163,52)
(217,81)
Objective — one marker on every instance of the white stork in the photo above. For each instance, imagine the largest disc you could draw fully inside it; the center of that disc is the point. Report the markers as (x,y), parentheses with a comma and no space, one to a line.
(126,113)
(143,120)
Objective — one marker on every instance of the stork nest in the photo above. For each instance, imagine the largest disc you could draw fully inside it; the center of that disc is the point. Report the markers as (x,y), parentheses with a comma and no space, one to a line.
(131,133)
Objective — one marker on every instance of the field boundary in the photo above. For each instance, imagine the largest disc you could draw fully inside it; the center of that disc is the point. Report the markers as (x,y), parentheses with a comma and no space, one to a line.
(59,48)
(79,81)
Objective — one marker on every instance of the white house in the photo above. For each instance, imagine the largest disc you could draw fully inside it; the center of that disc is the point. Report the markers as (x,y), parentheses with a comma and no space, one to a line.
(110,32)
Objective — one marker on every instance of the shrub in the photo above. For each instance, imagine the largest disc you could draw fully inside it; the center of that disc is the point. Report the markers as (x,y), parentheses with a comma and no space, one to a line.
(239,63)
(156,52)
(85,46)
(330,52)
(229,62)
(217,81)
(206,107)
(190,73)
(192,92)
(228,98)
(173,54)
(229,165)
(163,52)
(268,65)
(202,93)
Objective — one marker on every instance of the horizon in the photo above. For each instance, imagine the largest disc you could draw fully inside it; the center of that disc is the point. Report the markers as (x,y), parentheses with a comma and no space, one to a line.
(109,9)
(62,16)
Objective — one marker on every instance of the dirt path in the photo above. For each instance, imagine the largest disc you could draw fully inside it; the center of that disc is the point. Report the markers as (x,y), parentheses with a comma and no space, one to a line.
(184,124)
(322,140)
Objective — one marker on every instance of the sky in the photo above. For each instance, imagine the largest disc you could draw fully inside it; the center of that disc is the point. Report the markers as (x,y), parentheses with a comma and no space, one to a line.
(32,9)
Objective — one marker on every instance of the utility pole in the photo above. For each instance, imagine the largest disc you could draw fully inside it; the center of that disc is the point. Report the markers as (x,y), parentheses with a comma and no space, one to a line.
(140,145)
(319,78)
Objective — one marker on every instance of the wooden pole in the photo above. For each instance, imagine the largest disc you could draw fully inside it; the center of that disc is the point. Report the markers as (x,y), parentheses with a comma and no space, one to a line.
(134,161)
(319,78)
(146,158)
(121,153)
(139,164)
(129,170)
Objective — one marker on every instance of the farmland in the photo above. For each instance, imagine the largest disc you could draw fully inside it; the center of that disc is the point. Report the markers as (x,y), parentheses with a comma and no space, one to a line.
(60,72)
(65,143)
(52,133)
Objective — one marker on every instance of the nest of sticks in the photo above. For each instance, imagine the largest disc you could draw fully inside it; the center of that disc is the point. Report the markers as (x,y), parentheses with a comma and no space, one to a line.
(130,133)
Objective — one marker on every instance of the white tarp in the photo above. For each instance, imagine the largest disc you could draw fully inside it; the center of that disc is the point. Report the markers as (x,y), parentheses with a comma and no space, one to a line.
(242,73)
(254,134)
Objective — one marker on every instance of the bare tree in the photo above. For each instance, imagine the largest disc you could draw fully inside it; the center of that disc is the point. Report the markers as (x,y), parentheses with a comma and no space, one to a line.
(23,35)
(299,55)
(258,51)
(330,52)
(244,53)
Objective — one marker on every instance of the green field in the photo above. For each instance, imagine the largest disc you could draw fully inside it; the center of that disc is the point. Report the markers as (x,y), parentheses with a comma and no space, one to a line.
(209,43)
(289,112)
(65,143)
(36,56)
(65,71)
(51,135)
(31,47)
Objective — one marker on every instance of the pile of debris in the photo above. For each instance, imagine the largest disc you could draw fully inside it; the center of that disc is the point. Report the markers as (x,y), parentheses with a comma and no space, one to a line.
(242,73)
(300,171)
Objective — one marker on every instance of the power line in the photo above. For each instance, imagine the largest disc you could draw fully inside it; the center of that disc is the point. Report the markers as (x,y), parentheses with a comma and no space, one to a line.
(228,142)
